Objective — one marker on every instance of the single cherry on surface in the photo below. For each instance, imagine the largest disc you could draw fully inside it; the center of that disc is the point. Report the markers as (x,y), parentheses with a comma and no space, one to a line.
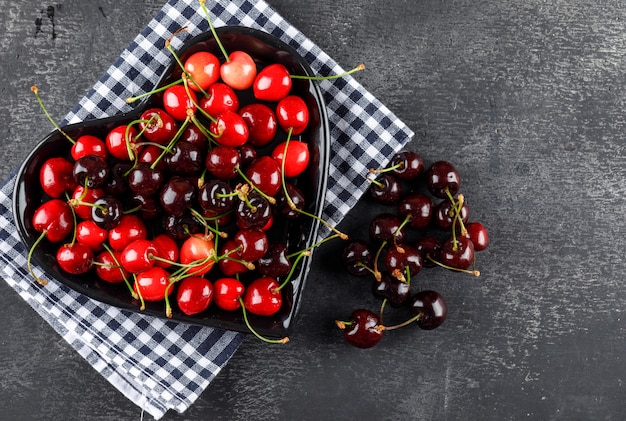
(478,234)
(443,179)
(430,309)
(362,330)
(457,252)
(357,258)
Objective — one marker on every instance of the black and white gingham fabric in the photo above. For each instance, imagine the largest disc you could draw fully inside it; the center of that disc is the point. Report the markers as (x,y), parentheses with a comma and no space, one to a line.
(161,365)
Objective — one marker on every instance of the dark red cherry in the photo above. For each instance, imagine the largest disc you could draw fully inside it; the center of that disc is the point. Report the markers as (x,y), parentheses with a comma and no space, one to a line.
(275,263)
(145,180)
(228,292)
(253,243)
(431,308)
(220,98)
(177,195)
(194,295)
(387,227)
(272,83)
(292,113)
(230,262)
(443,179)
(82,200)
(363,329)
(118,181)
(222,162)
(247,154)
(185,159)
(91,171)
(56,177)
(158,126)
(181,227)
(385,189)
(429,248)
(256,212)
(264,173)
(478,234)
(203,68)
(193,134)
(457,253)
(403,261)
(146,207)
(357,258)
(262,297)
(261,122)
(419,207)
(216,196)
(107,212)
(407,165)
(89,145)
(75,258)
(177,100)
(284,203)
(396,292)
(446,213)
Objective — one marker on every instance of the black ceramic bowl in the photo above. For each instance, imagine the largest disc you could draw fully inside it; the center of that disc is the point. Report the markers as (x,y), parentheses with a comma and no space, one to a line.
(297,233)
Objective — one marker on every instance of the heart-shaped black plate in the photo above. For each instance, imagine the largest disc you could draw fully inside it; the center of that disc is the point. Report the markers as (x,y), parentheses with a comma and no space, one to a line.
(298,233)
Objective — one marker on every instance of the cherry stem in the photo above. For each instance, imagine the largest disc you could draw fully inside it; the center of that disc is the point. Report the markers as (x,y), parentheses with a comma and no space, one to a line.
(168,307)
(405,323)
(382,309)
(170,145)
(471,272)
(254,332)
(258,190)
(292,270)
(185,74)
(30,255)
(387,169)
(377,273)
(330,77)
(132,99)
(45,111)
(217,38)
(118,265)
(204,222)
(141,300)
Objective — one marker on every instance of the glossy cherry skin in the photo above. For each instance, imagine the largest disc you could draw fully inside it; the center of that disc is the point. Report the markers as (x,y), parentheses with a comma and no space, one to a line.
(431,307)
(107,212)
(91,235)
(292,113)
(137,256)
(457,253)
(229,129)
(239,71)
(75,258)
(167,249)
(357,258)
(185,159)
(120,146)
(408,165)
(442,178)
(264,173)
(56,177)
(386,227)
(275,263)
(129,229)
(108,267)
(194,295)
(445,214)
(385,189)
(420,207)
(262,297)
(91,171)
(292,157)
(403,261)
(228,292)
(81,200)
(89,145)
(158,126)
(363,329)
(253,243)
(262,123)
(284,202)
(145,180)
(177,195)
(177,100)
(198,252)
(396,292)
(216,196)
(230,262)
(153,284)
(478,235)
(204,69)
(54,218)
(429,248)
(220,98)
(272,83)
(222,162)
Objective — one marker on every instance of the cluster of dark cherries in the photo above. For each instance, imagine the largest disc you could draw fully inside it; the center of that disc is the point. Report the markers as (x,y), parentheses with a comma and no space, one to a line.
(424,202)
(213,196)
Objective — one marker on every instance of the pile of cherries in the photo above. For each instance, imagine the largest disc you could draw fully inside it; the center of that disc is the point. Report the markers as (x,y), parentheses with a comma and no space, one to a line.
(161,201)
(424,223)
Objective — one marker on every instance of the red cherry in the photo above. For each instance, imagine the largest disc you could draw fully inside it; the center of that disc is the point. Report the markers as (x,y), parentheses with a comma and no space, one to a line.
(264,173)
(54,218)
(296,159)
(90,234)
(129,229)
(167,249)
(220,97)
(222,162)
(81,200)
(89,145)
(229,129)
(108,267)
(262,297)
(121,147)
(457,253)
(229,262)
(149,155)
(228,291)
(199,251)
(56,177)
(176,102)
(152,284)
(75,258)
(204,70)
(478,234)
(261,122)
(273,83)
(253,243)
(158,126)
(293,113)
(137,256)
(239,71)
(194,295)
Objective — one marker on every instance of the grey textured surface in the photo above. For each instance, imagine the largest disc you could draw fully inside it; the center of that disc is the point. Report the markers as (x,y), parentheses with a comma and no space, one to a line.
(526,98)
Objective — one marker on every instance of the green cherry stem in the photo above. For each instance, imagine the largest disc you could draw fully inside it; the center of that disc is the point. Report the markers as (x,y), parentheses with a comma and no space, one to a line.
(254,332)
(119,266)
(45,111)
(132,99)
(213,31)
(349,72)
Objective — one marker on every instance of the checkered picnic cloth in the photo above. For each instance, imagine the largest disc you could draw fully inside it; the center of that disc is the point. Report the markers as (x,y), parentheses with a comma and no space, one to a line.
(158,364)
